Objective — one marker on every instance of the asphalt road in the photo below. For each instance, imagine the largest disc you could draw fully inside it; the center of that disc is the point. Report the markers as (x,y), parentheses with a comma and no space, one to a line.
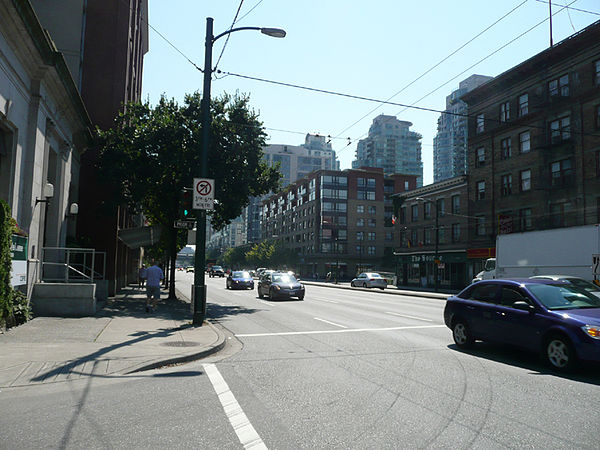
(341,369)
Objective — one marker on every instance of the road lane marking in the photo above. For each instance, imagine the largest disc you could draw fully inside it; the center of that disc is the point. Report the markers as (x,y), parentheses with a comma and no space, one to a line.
(347,330)
(246,433)
(268,303)
(408,317)
(326,301)
(330,323)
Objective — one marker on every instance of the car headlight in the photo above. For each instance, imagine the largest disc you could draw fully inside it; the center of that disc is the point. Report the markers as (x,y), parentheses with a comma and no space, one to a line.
(277,287)
(592,331)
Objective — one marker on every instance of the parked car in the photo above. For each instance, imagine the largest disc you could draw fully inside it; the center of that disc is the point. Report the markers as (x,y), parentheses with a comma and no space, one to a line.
(554,317)
(216,271)
(239,280)
(280,285)
(189,269)
(369,280)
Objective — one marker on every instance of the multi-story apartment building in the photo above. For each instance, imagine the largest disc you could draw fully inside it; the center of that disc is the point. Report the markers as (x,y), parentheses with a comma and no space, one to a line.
(391,146)
(534,142)
(450,143)
(296,161)
(432,236)
(335,221)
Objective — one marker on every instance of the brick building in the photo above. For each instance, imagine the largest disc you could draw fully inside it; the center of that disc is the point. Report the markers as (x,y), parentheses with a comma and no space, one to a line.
(337,221)
(534,143)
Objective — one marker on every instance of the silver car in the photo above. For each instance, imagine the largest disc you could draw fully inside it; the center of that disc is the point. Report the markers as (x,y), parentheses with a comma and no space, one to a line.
(369,280)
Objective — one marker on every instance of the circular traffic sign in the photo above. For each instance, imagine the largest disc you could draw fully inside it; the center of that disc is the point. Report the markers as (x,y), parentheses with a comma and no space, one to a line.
(204,188)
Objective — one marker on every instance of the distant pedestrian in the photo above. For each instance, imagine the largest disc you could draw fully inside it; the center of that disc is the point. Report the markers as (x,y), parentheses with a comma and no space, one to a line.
(142,276)
(154,275)
(328,276)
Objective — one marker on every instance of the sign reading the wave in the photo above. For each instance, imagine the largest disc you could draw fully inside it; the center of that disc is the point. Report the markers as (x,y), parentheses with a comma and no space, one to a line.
(204,193)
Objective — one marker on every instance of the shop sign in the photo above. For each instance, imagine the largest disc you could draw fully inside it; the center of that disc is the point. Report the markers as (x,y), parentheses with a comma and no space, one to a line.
(18,254)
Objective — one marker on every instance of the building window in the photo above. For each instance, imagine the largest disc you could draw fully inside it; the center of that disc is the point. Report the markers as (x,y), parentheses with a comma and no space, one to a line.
(597,72)
(559,86)
(414,237)
(506,185)
(371,250)
(505,112)
(360,236)
(505,148)
(406,186)
(456,232)
(480,190)
(372,209)
(360,222)
(360,208)
(558,214)
(441,207)
(427,210)
(359,249)
(427,236)
(524,142)
(480,157)
(371,236)
(389,236)
(442,235)
(365,195)
(403,214)
(480,225)
(523,105)
(414,212)
(597,117)
(365,182)
(560,129)
(561,172)
(480,123)
(525,222)
(456,204)
(372,223)
(525,180)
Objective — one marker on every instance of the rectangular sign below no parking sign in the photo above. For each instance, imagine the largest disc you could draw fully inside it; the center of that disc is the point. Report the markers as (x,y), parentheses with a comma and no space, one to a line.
(204,194)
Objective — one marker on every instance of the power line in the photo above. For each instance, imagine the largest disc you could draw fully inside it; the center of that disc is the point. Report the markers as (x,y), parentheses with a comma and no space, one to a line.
(569,7)
(251,9)
(437,64)
(228,36)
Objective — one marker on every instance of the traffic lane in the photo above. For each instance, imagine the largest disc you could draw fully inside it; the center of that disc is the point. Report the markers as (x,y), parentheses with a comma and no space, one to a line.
(353,390)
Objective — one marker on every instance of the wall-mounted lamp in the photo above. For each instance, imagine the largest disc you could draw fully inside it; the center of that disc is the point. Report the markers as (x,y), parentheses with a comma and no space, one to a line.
(73,210)
(47,194)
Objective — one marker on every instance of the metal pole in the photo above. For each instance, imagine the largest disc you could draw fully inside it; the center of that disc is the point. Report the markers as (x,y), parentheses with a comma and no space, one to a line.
(550,7)
(437,243)
(200,254)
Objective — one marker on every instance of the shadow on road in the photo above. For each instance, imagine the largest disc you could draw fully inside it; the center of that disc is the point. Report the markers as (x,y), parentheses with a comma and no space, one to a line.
(584,373)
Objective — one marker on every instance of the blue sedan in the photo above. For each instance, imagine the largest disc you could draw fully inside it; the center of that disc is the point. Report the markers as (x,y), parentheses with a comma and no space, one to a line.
(239,280)
(556,318)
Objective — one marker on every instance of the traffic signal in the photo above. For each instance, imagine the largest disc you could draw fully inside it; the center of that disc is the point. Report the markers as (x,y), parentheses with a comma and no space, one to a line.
(186,203)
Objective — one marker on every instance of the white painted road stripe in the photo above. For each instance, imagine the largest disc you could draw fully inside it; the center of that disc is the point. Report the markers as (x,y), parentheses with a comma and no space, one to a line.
(330,323)
(409,317)
(246,433)
(326,301)
(348,330)
(268,303)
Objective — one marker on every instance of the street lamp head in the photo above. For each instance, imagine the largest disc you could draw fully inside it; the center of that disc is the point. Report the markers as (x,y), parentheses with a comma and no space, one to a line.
(273,32)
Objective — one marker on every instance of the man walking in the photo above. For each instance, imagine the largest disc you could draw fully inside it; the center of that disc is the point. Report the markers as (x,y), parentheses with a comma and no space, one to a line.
(154,275)
(142,275)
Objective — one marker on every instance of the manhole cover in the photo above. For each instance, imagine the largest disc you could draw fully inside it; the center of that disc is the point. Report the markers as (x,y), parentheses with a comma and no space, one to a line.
(180,344)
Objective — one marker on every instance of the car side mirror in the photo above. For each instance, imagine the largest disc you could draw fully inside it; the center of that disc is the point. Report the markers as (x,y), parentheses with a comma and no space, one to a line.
(523,306)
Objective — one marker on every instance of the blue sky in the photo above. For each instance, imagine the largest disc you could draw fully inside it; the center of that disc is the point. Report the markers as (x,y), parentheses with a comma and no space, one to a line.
(370,49)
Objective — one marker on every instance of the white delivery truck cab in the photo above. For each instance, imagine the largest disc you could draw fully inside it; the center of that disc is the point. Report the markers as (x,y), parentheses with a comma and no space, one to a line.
(559,251)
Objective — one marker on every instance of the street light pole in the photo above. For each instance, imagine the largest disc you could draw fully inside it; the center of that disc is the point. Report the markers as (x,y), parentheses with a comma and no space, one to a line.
(200,254)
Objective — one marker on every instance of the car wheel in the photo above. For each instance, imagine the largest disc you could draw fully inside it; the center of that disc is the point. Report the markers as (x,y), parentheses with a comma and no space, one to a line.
(382,288)
(559,353)
(260,294)
(352,284)
(301,297)
(365,285)
(462,334)
(271,294)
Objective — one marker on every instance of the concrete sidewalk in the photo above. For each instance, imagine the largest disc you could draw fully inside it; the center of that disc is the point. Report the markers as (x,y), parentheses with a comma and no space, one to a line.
(121,338)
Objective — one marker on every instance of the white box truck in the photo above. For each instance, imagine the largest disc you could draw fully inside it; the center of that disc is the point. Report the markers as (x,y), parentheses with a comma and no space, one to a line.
(558,251)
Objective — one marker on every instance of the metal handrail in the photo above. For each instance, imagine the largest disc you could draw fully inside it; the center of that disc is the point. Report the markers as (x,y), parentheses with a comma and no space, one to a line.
(67,258)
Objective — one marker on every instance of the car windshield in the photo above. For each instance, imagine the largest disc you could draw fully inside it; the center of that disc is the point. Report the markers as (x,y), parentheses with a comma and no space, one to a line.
(217,268)
(284,278)
(555,297)
(583,284)
(240,275)
(373,275)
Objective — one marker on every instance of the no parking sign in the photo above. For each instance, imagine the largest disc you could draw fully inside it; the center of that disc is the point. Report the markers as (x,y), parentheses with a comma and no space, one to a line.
(204,193)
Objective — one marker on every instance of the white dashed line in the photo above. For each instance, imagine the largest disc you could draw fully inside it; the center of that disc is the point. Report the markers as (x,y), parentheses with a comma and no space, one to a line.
(330,323)
(246,433)
(326,301)
(348,330)
(409,317)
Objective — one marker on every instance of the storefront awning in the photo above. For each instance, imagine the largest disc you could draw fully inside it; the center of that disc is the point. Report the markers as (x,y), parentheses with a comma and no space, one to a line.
(139,237)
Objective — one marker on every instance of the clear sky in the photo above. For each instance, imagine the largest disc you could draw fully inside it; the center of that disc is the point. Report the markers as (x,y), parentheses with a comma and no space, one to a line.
(373,49)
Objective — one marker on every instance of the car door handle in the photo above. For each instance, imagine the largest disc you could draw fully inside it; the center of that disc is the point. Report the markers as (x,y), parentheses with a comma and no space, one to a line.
(470,307)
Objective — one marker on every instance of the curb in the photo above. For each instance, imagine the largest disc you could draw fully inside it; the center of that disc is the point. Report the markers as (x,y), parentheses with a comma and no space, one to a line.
(432,295)
(213,348)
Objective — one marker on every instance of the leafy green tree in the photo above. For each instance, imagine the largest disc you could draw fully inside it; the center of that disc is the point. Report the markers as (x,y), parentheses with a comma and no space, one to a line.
(235,257)
(260,254)
(152,153)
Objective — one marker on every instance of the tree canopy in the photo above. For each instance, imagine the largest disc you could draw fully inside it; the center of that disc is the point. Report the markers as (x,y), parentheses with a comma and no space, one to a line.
(153,153)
